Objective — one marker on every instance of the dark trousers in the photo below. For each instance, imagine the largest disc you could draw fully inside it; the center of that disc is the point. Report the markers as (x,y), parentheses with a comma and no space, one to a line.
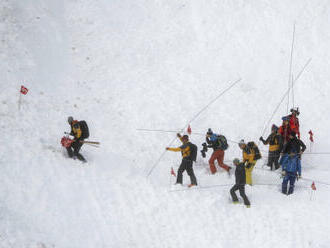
(273,158)
(75,152)
(188,166)
(289,177)
(241,189)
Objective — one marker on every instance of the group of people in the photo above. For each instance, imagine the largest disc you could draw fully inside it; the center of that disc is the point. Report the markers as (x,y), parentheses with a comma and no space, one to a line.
(285,149)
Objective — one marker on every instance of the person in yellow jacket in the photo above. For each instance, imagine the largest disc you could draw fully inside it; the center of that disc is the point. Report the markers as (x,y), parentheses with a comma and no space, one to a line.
(275,143)
(187,160)
(73,150)
(249,159)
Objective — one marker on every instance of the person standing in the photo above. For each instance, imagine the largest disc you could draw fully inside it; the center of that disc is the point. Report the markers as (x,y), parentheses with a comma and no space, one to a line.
(189,153)
(291,170)
(219,144)
(285,129)
(293,146)
(275,146)
(251,154)
(240,181)
(294,121)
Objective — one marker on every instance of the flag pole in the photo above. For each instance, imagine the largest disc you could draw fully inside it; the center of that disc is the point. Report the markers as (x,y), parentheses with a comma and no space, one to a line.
(19,100)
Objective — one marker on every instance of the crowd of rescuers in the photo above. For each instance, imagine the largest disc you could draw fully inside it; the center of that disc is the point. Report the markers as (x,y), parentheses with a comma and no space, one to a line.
(285,149)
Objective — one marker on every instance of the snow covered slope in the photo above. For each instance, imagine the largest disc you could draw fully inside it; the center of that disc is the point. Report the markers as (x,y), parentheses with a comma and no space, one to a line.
(123,65)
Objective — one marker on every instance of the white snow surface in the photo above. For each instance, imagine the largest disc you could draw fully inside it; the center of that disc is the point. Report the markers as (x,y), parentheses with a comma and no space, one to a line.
(122,65)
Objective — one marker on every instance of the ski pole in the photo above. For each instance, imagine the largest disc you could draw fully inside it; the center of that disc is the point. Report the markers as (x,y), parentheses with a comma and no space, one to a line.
(90,142)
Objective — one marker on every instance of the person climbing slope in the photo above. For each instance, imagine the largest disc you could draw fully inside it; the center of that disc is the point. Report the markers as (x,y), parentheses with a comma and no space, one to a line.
(219,144)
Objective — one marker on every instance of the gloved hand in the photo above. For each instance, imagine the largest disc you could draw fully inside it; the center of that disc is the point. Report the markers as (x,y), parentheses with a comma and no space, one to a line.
(167,148)
(283,173)
(261,138)
(179,135)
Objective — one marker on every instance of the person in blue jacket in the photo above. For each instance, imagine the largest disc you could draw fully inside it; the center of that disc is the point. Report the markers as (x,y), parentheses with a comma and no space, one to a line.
(291,169)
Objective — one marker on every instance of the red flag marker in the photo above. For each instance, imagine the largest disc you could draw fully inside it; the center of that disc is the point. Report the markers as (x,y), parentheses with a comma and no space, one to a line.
(172,172)
(24,90)
(313,186)
(311,136)
(189,130)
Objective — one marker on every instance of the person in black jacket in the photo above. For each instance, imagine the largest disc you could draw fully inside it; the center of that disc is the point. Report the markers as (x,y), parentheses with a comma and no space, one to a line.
(187,160)
(275,142)
(240,181)
(293,146)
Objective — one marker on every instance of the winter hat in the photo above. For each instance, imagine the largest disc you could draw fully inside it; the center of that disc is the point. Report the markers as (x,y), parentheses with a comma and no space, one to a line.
(236,161)
(209,131)
(241,142)
(274,127)
(70,119)
(185,137)
(293,133)
(285,118)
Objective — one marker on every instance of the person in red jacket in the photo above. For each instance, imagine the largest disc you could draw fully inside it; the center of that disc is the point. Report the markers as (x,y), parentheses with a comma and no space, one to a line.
(294,121)
(285,129)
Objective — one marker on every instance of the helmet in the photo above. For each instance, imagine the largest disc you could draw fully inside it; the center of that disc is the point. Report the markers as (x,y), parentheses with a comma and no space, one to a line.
(70,119)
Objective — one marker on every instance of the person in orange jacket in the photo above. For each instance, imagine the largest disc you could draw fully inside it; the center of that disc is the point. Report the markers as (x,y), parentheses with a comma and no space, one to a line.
(294,121)
(187,160)
(285,129)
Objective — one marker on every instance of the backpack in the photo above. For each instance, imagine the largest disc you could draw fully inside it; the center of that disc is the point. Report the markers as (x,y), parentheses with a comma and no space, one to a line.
(193,151)
(254,147)
(223,142)
(84,129)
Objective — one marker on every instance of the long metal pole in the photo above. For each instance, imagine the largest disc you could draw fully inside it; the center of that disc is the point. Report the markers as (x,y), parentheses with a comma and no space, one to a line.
(192,119)
(290,82)
(283,97)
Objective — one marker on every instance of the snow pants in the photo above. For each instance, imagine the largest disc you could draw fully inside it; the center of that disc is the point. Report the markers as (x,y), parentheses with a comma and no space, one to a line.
(186,165)
(248,173)
(76,146)
(219,156)
(289,177)
(273,158)
(241,189)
